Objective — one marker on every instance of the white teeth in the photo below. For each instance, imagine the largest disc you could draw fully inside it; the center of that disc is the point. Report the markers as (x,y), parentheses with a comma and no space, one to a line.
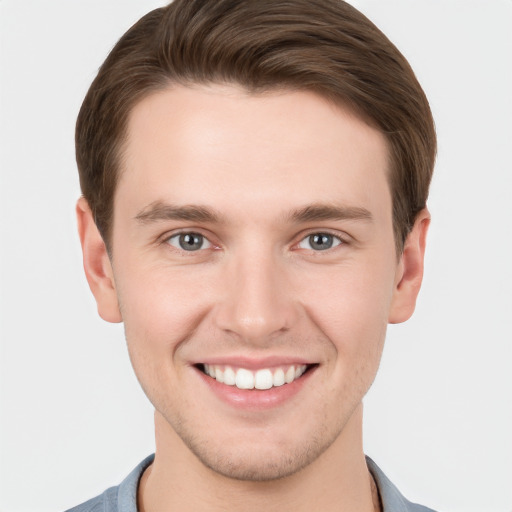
(229,376)
(261,379)
(278,379)
(219,375)
(244,379)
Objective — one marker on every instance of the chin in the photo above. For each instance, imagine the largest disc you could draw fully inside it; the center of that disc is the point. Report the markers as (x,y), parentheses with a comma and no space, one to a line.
(252,472)
(258,459)
(253,467)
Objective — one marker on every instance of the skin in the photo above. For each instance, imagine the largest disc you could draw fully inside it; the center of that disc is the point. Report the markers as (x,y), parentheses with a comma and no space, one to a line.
(257,288)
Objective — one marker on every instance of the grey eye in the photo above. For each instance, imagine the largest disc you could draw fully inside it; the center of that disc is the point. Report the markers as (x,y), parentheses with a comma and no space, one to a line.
(189,242)
(319,242)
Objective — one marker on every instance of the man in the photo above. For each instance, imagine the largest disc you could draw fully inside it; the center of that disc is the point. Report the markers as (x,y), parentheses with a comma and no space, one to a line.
(254,179)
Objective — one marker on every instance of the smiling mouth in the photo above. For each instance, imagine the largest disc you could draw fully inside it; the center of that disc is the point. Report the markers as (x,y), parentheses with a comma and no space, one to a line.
(262,379)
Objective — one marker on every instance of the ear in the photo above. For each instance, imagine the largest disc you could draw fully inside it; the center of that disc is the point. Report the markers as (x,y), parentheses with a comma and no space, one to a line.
(410,270)
(97,265)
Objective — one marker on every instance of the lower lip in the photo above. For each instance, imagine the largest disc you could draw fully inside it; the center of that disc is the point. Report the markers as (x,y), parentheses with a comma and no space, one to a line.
(258,399)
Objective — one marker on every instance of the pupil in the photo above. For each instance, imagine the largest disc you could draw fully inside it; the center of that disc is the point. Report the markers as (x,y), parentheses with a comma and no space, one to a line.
(191,241)
(321,241)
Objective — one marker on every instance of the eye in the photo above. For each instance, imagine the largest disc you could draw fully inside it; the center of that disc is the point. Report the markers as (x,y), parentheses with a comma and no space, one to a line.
(189,242)
(319,242)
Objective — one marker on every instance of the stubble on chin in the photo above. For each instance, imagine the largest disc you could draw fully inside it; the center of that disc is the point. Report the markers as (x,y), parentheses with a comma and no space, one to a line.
(255,459)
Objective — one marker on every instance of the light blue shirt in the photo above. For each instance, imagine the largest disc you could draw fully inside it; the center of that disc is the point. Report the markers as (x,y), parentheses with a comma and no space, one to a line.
(123,498)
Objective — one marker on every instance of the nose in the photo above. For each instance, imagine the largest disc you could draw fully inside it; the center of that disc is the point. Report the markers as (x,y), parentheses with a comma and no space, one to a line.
(257,301)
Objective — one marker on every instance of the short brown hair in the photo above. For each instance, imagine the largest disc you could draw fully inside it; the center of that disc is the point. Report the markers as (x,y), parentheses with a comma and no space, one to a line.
(325,46)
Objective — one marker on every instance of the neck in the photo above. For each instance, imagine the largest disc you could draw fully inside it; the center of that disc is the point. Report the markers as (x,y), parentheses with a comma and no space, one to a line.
(337,480)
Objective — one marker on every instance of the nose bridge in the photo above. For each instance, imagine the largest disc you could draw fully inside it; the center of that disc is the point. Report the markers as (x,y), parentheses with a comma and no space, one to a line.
(257,302)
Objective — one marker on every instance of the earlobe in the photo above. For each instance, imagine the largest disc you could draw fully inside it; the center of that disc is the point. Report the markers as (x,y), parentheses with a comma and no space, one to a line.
(97,265)
(410,270)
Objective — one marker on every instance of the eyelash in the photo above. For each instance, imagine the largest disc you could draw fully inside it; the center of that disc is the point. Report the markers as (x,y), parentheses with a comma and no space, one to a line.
(335,239)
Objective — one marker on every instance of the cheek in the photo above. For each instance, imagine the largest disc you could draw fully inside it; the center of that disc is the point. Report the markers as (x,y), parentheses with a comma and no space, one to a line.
(352,314)
(161,309)
(350,304)
(161,306)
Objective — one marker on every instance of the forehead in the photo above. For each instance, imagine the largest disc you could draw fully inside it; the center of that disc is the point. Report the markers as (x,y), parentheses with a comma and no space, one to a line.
(220,143)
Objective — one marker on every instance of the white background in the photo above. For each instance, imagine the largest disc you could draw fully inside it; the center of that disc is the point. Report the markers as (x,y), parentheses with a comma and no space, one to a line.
(439,417)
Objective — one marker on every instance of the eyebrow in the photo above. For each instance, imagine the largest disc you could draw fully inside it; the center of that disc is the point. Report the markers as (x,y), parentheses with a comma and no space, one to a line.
(317,212)
(159,211)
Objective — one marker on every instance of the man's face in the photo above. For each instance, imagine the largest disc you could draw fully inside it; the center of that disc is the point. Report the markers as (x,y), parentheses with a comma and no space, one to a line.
(253,239)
